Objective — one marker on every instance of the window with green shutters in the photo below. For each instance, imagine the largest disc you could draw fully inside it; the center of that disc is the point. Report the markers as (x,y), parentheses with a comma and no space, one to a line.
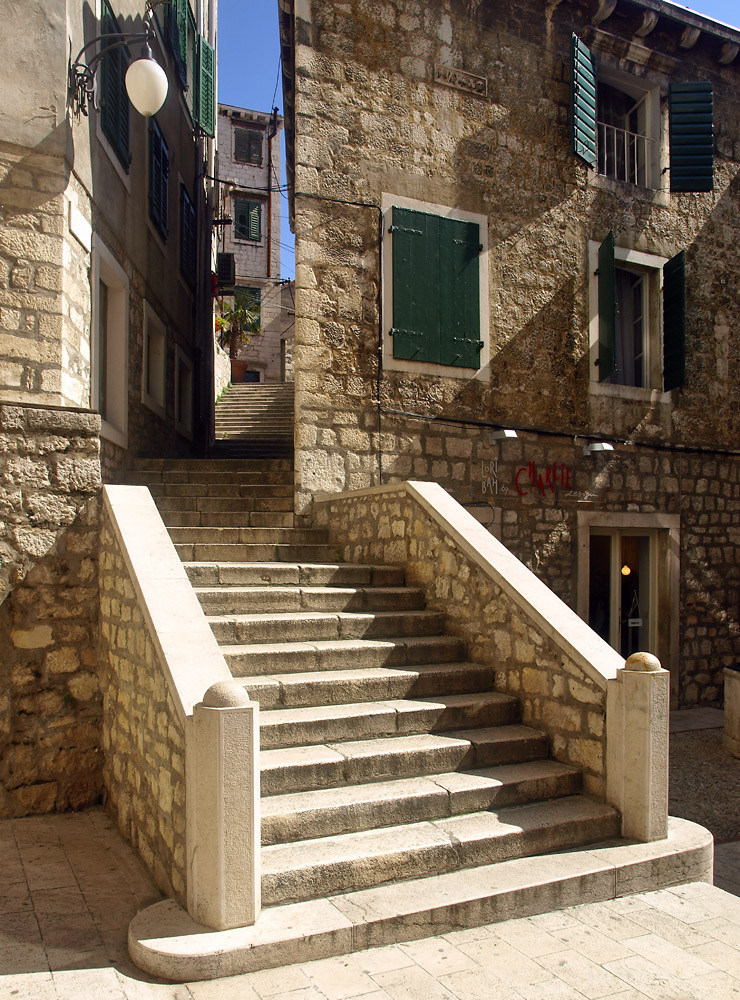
(188,237)
(616,128)
(634,295)
(436,289)
(114,103)
(159,172)
(248,145)
(247,219)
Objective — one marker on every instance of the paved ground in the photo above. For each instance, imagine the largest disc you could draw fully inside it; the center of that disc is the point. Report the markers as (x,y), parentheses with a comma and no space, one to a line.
(69,886)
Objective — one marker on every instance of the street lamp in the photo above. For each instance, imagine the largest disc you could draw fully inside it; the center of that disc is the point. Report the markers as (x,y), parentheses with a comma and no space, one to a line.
(146,81)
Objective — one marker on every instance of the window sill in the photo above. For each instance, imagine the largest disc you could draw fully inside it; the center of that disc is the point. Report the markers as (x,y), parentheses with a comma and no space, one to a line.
(157,236)
(113,434)
(628,189)
(112,155)
(151,403)
(632,393)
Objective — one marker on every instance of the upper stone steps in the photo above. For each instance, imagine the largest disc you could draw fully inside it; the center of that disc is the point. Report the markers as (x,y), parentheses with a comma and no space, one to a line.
(401,717)
(239,552)
(319,626)
(313,869)
(297,574)
(324,812)
(180,503)
(222,491)
(245,535)
(233,600)
(228,519)
(345,686)
(245,477)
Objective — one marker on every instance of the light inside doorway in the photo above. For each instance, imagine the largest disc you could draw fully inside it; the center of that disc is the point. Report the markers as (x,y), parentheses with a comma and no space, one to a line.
(621,590)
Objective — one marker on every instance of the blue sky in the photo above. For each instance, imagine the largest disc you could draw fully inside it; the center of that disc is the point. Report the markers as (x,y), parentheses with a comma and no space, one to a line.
(249,63)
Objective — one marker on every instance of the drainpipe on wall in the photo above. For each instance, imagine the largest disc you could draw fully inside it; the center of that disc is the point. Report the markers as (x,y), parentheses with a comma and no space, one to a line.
(270,136)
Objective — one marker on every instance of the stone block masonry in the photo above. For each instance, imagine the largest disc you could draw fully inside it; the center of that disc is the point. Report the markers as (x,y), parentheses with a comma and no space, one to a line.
(50,703)
(143,740)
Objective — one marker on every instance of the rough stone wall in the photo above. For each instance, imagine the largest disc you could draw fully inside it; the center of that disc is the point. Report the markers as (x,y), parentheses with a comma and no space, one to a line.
(143,738)
(31,268)
(371,119)
(555,693)
(50,703)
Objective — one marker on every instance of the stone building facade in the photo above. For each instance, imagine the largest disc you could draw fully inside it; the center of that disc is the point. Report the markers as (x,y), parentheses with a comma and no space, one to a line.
(524,218)
(248,169)
(105,337)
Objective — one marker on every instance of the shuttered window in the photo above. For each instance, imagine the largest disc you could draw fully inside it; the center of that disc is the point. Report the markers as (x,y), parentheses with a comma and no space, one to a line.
(626,336)
(205,115)
(159,172)
(248,146)
(436,289)
(178,19)
(188,237)
(674,322)
(114,104)
(692,137)
(624,149)
(247,220)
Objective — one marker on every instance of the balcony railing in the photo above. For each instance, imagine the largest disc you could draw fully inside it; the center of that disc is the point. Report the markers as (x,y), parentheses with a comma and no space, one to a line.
(624,156)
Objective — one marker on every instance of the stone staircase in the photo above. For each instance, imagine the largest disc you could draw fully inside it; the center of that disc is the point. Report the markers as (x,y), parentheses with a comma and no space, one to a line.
(387,758)
(254,420)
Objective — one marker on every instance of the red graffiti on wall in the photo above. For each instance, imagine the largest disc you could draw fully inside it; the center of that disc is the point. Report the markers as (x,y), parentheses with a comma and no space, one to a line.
(557,474)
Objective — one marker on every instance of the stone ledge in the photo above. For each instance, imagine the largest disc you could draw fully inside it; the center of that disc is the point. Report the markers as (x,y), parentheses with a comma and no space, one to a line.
(164,941)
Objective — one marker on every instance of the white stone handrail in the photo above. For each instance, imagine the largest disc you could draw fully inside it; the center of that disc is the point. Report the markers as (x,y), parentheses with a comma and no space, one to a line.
(220,723)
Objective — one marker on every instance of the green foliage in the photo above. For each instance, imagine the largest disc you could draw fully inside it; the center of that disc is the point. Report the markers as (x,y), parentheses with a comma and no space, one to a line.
(237,323)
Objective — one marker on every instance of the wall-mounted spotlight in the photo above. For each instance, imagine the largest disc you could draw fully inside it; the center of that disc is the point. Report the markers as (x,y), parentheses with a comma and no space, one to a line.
(503,434)
(595,446)
(146,81)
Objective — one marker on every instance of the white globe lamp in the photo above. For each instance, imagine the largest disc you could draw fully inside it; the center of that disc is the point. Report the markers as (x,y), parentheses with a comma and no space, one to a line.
(146,83)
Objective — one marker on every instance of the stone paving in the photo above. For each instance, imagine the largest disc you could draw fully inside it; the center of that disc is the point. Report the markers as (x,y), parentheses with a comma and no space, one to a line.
(70,885)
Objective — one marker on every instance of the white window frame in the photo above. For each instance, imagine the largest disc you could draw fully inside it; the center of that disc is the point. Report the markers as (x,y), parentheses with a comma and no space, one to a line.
(652,265)
(105,267)
(183,364)
(649,92)
(426,367)
(154,327)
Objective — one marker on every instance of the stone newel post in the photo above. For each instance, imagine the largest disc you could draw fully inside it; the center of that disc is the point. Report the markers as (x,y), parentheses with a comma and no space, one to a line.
(637,715)
(223,834)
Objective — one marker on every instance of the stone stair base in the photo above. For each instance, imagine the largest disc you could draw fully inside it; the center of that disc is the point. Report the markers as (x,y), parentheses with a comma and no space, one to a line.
(164,941)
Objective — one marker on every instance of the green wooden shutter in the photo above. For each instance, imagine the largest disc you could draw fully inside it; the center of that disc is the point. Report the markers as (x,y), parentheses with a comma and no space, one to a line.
(607,308)
(181,10)
(114,103)
(692,137)
(583,101)
(159,170)
(436,289)
(255,221)
(205,114)
(459,300)
(674,322)
(416,293)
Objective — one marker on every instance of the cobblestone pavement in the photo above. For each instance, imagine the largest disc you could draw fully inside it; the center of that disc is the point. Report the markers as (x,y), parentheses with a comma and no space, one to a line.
(70,885)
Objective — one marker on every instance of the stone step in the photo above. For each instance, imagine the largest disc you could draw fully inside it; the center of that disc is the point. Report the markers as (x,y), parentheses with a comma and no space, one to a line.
(294,727)
(346,686)
(298,769)
(314,869)
(241,553)
(224,600)
(234,574)
(329,811)
(232,519)
(226,505)
(164,941)
(250,536)
(257,477)
(221,491)
(224,465)
(316,625)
